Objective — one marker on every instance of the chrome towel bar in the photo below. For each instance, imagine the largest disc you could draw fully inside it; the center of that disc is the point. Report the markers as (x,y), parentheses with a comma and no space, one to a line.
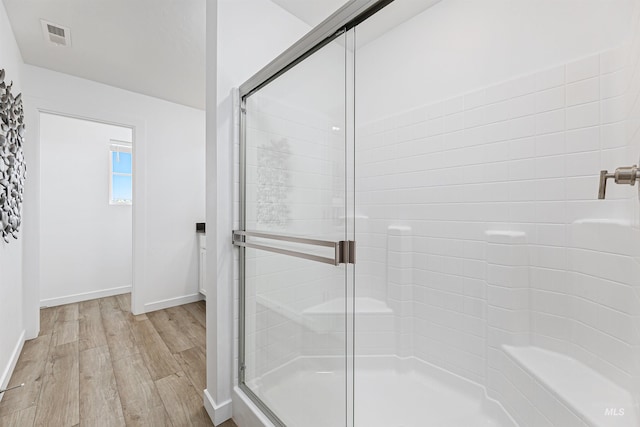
(344,250)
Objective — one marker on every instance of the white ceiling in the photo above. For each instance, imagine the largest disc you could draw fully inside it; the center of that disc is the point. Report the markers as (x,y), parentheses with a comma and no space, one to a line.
(389,18)
(153,47)
(314,12)
(311,12)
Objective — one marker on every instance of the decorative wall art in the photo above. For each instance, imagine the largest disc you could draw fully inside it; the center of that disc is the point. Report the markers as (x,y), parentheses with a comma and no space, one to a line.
(273,182)
(12,165)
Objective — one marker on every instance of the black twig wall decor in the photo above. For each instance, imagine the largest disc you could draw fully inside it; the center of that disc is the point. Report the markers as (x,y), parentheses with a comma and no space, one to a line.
(12,165)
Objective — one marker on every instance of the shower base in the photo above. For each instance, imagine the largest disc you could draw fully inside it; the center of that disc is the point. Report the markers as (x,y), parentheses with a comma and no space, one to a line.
(389,392)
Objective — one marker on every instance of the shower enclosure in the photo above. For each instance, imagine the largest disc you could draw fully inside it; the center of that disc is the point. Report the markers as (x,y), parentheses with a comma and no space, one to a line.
(421,241)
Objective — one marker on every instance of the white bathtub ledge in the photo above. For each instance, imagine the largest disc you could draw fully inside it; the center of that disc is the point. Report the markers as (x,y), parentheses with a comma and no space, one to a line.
(591,396)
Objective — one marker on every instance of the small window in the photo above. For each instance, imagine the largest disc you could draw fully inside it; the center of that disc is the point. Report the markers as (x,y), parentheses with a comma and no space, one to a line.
(121,173)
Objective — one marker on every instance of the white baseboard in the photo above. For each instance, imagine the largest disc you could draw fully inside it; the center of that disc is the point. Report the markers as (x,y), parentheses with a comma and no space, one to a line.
(8,370)
(85,296)
(172,302)
(217,413)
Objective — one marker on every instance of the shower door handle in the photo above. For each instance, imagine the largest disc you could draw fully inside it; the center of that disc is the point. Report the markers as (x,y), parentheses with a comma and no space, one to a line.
(344,251)
(623,175)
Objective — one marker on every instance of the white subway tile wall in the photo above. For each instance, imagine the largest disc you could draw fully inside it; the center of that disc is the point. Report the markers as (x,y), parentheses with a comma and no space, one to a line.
(519,160)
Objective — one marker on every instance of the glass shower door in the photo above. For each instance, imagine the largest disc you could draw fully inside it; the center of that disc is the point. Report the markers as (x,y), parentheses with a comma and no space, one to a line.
(295,243)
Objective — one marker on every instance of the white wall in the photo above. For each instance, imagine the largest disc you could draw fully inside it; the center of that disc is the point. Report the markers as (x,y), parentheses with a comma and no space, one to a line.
(11,289)
(85,241)
(245,42)
(169,177)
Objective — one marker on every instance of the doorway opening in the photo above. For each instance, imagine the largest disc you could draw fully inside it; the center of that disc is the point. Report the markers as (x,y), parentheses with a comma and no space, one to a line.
(86,221)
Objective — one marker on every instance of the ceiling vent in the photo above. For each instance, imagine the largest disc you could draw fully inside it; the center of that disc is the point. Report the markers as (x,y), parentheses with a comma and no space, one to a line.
(56,34)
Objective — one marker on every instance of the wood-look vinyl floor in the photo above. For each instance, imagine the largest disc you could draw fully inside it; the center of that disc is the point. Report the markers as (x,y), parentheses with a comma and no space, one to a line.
(97,365)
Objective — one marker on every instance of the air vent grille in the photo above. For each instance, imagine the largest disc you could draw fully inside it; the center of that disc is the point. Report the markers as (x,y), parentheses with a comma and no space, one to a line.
(56,34)
(56,31)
